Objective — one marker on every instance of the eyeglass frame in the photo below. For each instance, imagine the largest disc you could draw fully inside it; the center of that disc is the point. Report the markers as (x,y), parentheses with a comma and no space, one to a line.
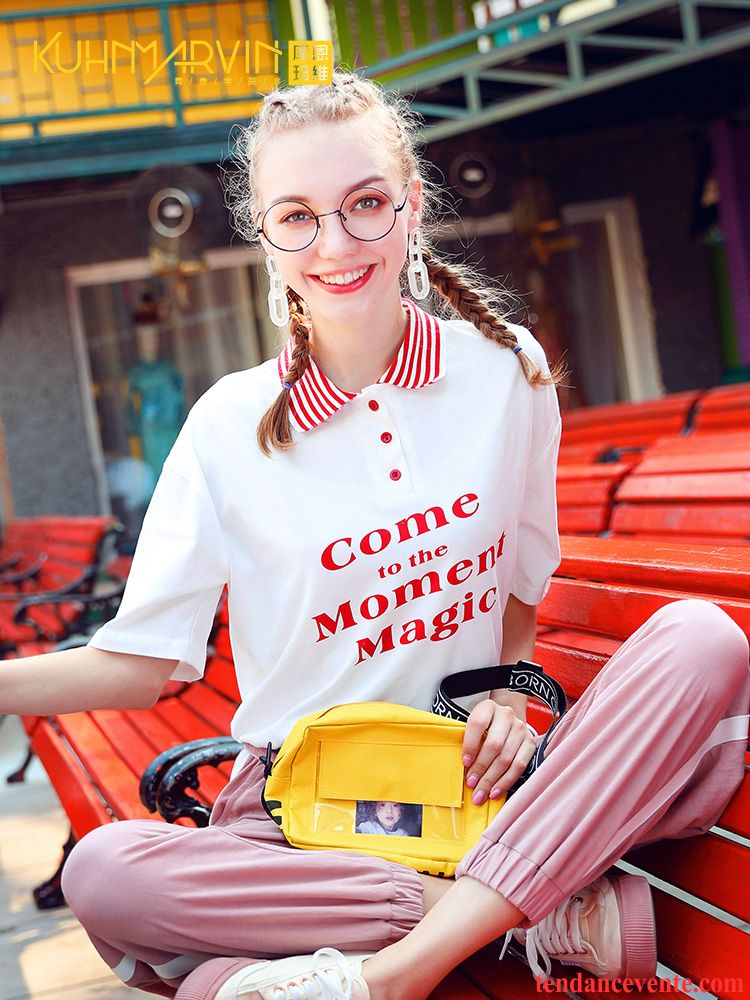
(342,217)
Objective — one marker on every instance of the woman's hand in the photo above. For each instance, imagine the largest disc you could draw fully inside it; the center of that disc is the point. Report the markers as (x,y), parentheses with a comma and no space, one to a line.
(496,749)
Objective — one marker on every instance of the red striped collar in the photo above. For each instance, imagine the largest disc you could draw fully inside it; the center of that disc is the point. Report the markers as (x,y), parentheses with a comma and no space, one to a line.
(420,360)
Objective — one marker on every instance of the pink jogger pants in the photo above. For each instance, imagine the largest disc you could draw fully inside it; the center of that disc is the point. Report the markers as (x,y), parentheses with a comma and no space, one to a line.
(654,749)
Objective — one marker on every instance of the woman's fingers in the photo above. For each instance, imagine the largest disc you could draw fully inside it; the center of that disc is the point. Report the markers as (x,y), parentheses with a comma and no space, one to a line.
(495,785)
(497,747)
(477,724)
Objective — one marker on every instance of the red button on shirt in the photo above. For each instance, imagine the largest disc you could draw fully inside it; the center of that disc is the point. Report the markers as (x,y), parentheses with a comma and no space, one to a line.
(374,404)
(386,436)
(395,474)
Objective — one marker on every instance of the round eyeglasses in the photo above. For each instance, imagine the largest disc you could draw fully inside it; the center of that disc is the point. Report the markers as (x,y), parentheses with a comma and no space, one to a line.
(366,214)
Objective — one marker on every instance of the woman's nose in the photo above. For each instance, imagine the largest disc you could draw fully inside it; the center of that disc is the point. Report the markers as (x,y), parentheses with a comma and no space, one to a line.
(332,236)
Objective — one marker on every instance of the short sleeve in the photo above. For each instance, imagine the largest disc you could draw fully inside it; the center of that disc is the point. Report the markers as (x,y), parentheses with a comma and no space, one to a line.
(538,544)
(179,571)
(538,548)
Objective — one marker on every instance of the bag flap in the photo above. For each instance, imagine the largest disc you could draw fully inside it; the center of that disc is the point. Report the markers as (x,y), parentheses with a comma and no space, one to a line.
(417,772)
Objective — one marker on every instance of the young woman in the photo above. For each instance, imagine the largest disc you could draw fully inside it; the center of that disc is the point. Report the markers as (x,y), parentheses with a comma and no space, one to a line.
(380,500)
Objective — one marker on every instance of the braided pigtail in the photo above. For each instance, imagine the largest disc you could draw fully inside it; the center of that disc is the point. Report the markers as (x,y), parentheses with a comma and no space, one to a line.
(455,287)
(274,428)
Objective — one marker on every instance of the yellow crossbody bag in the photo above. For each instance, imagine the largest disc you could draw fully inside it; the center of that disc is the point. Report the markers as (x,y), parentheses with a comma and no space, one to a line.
(388,780)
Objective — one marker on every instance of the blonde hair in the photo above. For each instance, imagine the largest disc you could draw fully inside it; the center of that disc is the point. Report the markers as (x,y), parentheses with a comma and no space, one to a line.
(462,290)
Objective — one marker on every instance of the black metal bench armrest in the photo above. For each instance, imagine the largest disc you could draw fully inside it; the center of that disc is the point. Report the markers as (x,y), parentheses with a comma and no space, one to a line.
(15,579)
(106,602)
(81,586)
(8,564)
(164,781)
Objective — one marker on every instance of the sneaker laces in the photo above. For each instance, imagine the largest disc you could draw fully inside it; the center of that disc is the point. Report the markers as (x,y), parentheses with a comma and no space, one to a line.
(559,933)
(324,984)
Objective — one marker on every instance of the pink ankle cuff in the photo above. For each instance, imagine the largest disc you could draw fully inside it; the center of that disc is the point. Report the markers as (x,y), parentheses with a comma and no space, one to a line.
(522,882)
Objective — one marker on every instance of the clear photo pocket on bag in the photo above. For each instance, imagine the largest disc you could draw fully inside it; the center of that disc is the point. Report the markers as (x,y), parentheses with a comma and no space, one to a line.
(365,786)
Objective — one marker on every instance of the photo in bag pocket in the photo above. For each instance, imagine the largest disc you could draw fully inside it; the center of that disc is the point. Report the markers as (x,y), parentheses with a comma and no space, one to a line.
(395,819)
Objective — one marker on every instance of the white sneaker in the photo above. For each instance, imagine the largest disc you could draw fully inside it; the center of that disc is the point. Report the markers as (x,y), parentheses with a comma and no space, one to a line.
(326,975)
(607,929)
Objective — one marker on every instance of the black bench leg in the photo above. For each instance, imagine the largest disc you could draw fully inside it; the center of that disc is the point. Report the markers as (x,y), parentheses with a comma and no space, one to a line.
(49,895)
(20,774)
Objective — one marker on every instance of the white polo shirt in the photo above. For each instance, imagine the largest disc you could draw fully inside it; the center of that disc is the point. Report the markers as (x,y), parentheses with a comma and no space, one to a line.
(373,557)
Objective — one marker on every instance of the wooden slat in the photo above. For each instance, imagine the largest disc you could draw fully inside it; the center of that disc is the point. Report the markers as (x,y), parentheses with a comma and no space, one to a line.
(631,434)
(581,520)
(81,804)
(222,676)
(75,553)
(126,741)
(697,945)
(578,453)
(723,419)
(177,714)
(580,642)
(694,486)
(674,405)
(693,569)
(606,471)
(702,539)
(701,441)
(617,611)
(217,710)
(730,521)
(726,396)
(573,668)
(710,867)
(694,460)
(81,529)
(109,772)
(585,492)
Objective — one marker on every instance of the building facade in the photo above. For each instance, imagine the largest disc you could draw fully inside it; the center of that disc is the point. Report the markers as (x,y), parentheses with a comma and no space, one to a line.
(616,216)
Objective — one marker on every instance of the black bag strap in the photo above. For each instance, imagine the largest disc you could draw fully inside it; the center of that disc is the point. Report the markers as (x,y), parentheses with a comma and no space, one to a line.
(524,676)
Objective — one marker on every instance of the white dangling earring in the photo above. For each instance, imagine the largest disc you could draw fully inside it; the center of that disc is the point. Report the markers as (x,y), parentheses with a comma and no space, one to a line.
(419,279)
(278,304)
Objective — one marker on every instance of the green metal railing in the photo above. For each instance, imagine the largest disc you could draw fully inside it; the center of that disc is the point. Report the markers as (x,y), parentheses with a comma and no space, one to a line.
(557,51)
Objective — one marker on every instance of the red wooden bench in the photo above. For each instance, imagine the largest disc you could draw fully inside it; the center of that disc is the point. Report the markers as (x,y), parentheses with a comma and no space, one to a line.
(694,488)
(95,759)
(49,591)
(66,557)
(692,483)
(590,432)
(19,546)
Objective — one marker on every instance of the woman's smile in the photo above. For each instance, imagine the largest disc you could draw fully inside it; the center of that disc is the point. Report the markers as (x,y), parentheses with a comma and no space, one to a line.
(341,282)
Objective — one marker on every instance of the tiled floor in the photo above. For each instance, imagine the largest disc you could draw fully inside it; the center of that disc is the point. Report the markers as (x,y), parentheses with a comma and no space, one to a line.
(42,954)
